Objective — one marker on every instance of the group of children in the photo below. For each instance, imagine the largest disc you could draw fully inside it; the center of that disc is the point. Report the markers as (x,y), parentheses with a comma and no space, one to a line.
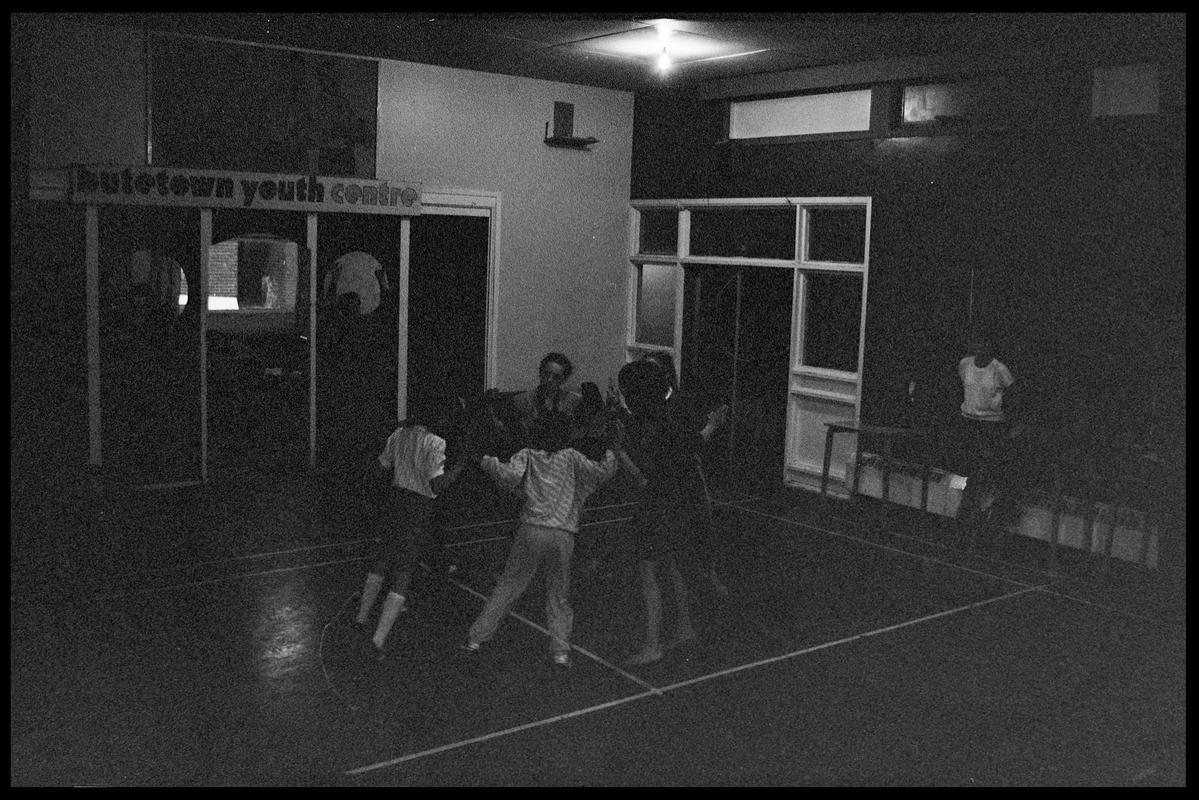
(558,460)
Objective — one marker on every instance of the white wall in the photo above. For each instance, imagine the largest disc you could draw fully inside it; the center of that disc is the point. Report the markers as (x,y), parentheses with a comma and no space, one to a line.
(564,213)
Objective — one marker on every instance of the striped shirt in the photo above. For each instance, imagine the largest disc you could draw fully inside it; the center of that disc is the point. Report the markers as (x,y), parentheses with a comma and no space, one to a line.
(554,486)
(415,457)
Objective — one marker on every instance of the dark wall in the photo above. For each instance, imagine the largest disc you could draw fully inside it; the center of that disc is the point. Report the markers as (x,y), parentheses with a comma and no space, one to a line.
(1065,242)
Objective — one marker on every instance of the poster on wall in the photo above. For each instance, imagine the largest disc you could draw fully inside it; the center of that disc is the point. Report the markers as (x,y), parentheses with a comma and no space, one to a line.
(225,106)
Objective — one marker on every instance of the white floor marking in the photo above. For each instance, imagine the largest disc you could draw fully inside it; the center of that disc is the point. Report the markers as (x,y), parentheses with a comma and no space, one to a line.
(375,539)
(659,692)
(885,547)
(854,638)
(643,684)
(497,734)
(239,576)
(320,652)
(1082,601)
(231,559)
(1043,588)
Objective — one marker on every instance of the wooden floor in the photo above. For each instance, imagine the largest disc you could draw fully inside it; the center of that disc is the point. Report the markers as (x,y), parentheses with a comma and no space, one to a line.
(202,637)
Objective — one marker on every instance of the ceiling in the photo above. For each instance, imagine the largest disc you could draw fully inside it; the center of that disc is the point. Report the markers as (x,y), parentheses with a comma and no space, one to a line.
(605,50)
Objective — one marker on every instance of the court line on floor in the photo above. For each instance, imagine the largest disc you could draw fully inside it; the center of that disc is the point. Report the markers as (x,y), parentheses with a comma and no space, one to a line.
(240,575)
(320,652)
(375,539)
(497,734)
(233,559)
(222,579)
(585,510)
(888,548)
(1079,600)
(854,638)
(508,536)
(1045,587)
(1039,572)
(630,676)
(674,686)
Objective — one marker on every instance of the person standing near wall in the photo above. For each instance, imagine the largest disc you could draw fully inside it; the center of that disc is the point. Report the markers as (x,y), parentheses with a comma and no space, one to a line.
(980,430)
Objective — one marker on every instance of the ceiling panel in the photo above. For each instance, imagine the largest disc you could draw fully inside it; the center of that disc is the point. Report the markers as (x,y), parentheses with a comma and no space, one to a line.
(579,48)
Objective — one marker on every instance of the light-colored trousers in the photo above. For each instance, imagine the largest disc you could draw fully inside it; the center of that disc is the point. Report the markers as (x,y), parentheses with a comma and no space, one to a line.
(533,545)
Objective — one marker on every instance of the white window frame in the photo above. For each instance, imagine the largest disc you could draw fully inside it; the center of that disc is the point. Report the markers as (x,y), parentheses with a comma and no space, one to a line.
(682,256)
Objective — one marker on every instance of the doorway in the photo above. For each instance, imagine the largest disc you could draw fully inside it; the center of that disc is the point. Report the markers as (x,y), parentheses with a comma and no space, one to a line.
(359,265)
(257,340)
(736,346)
(447,305)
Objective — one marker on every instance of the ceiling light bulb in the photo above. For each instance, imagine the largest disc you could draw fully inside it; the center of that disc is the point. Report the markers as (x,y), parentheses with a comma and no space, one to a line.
(664,63)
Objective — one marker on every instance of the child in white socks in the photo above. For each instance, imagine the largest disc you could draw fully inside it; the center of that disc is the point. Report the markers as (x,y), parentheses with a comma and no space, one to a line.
(414,461)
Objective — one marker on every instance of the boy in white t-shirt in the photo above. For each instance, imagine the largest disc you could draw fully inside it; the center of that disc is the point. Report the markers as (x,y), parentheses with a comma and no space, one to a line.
(413,462)
(981,430)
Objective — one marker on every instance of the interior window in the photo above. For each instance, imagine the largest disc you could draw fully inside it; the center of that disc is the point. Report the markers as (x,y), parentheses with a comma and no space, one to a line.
(832,320)
(655,304)
(744,232)
(252,276)
(837,234)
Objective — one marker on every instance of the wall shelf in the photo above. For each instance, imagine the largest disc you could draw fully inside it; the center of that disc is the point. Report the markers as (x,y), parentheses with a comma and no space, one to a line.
(571,142)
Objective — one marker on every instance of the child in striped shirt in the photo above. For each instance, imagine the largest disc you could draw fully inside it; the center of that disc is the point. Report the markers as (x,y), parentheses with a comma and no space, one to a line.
(554,480)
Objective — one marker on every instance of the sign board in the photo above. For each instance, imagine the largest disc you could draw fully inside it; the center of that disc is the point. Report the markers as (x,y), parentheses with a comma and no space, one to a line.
(164,186)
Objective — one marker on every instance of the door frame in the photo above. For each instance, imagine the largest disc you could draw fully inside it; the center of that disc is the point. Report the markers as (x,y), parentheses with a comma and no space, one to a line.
(804,424)
(465,203)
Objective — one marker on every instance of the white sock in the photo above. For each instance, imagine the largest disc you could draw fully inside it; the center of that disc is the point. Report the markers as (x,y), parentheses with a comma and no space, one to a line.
(392,607)
(369,593)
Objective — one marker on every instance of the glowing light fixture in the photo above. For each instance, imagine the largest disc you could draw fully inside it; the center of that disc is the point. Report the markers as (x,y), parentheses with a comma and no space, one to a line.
(664,31)
(665,43)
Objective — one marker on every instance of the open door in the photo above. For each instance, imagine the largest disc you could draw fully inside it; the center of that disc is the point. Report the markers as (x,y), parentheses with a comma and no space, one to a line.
(447,304)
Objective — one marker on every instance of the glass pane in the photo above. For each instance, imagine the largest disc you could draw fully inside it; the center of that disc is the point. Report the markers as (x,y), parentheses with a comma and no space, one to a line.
(832,112)
(832,321)
(939,101)
(659,232)
(837,234)
(744,232)
(655,304)
(253,274)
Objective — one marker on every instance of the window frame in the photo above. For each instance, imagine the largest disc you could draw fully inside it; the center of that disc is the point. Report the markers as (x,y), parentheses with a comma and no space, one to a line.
(801,264)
